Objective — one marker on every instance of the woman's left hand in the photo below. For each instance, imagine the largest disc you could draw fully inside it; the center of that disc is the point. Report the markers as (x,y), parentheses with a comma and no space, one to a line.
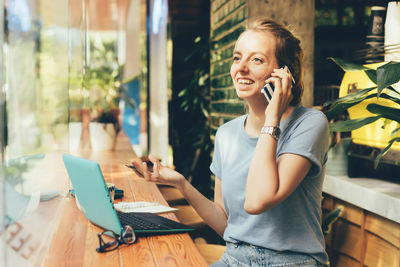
(282,96)
(159,173)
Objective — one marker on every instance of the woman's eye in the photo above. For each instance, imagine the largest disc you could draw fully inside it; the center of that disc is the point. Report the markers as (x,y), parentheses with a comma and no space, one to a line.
(236,58)
(257,60)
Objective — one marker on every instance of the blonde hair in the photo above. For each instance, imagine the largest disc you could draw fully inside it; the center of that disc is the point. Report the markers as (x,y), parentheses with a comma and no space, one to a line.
(287,51)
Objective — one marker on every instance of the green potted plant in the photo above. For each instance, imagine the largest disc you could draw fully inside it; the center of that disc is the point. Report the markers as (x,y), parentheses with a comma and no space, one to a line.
(379,100)
(103,79)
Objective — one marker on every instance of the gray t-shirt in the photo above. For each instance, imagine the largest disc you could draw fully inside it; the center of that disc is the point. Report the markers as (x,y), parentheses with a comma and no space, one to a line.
(293,225)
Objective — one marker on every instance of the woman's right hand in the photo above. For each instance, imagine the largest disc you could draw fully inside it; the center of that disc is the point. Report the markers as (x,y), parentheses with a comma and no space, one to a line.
(282,96)
(160,174)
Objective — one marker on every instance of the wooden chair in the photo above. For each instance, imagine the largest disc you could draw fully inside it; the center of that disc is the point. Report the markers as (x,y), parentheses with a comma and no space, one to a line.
(187,215)
(211,252)
(172,195)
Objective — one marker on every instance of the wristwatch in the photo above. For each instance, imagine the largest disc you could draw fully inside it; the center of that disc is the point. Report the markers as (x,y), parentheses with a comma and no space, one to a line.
(274,131)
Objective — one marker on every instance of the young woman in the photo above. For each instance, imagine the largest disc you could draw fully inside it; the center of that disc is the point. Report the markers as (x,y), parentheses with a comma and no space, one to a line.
(269,164)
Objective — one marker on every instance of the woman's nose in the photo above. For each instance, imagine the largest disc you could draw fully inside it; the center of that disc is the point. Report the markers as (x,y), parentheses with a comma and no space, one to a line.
(242,66)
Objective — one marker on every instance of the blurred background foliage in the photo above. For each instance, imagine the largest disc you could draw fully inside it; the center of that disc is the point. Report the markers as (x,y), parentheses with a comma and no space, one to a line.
(190,134)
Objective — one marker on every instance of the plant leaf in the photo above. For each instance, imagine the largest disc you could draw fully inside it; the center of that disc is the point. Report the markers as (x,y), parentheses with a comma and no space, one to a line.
(387,74)
(385,112)
(350,66)
(350,96)
(182,93)
(347,65)
(391,98)
(332,216)
(390,88)
(339,108)
(372,75)
(350,125)
(395,131)
(385,150)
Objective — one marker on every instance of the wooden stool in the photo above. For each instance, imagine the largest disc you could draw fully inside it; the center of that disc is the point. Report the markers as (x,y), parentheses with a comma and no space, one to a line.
(187,215)
(211,252)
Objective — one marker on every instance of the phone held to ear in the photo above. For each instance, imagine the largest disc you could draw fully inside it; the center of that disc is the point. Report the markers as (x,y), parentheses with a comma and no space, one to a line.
(269,88)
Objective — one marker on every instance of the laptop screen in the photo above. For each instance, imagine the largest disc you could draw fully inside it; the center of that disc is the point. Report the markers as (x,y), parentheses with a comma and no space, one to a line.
(91,192)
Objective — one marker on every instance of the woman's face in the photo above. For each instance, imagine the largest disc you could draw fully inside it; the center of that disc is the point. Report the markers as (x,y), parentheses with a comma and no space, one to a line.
(253,62)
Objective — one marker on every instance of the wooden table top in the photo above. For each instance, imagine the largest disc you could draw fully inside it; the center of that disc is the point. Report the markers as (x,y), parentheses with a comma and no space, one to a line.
(75,240)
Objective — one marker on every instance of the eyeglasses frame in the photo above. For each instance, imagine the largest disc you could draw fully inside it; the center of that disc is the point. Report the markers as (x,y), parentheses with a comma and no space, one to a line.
(102,248)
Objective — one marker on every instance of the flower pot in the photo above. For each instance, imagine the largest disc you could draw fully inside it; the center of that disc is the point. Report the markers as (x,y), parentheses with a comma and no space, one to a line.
(75,134)
(102,136)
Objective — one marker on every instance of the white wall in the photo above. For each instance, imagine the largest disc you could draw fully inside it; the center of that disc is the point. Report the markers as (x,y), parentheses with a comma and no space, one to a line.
(158,115)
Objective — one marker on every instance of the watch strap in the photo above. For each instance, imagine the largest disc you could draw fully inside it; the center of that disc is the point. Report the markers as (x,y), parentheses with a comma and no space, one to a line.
(274,131)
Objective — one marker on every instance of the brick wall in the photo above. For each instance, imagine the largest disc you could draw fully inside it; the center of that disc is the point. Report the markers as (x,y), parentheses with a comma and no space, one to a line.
(228,19)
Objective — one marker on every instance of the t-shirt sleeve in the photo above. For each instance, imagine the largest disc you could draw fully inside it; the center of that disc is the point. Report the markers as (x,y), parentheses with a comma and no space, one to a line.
(310,139)
(215,166)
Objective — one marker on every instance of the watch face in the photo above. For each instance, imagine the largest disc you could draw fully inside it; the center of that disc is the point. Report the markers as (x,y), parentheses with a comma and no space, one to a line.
(277,132)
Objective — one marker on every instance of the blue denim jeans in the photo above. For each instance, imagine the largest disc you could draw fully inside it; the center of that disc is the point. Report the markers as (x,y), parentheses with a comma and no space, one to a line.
(243,254)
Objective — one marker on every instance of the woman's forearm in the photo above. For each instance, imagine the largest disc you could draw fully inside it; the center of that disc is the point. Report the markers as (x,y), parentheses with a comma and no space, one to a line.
(263,177)
(211,212)
(272,180)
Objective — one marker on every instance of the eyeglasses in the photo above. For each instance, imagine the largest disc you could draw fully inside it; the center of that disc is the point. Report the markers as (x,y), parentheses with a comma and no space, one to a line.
(109,241)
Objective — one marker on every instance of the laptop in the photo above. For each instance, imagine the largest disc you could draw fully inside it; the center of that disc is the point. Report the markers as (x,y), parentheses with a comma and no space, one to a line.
(97,206)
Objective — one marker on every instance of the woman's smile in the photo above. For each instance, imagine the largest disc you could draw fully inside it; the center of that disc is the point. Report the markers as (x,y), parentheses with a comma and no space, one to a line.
(244,83)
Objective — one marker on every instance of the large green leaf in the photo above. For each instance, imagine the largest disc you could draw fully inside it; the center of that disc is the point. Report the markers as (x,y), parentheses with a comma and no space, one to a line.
(385,112)
(350,125)
(347,65)
(385,150)
(387,74)
(337,106)
(340,107)
(391,98)
(349,97)
(372,75)
(350,66)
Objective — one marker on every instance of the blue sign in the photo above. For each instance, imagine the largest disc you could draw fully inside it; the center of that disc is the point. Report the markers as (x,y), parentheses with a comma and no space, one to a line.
(131,117)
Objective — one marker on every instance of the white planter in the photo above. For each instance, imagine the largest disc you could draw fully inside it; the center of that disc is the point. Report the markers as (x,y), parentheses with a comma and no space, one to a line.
(102,136)
(74,135)
(337,164)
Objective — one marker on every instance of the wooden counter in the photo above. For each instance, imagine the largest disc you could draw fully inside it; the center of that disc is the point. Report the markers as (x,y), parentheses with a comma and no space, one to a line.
(368,231)
(75,240)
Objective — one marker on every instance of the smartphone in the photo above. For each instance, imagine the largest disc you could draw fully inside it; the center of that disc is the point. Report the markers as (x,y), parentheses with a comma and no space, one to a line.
(269,88)
(140,173)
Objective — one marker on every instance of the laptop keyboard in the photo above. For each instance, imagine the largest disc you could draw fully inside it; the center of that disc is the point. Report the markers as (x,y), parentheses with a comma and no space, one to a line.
(138,223)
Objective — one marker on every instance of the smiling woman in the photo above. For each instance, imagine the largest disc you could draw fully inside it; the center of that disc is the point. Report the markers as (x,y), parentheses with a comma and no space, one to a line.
(269,164)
